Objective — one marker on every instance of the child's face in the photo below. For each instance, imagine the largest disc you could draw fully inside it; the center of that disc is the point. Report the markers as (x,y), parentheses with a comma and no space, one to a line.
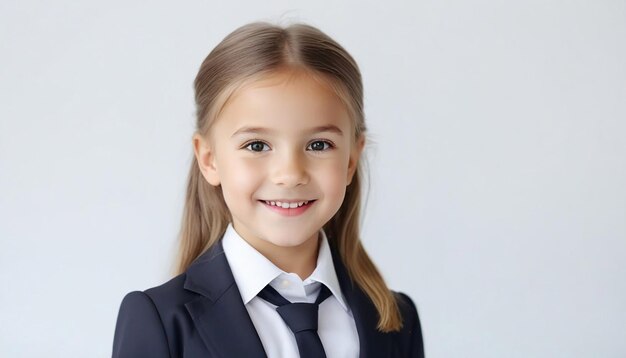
(283,137)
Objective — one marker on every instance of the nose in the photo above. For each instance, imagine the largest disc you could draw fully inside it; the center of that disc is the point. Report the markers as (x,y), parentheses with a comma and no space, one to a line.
(290,170)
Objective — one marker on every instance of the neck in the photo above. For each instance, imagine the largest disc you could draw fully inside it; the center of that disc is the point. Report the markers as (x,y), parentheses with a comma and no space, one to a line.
(301,259)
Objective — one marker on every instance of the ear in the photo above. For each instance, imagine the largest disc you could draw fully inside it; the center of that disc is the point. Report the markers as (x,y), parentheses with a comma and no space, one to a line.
(205,156)
(355,154)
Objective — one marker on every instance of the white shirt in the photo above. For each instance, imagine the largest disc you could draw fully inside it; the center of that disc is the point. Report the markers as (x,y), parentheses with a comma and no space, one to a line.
(253,271)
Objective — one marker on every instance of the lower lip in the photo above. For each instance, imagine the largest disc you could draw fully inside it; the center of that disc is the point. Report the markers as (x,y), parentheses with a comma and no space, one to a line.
(289,211)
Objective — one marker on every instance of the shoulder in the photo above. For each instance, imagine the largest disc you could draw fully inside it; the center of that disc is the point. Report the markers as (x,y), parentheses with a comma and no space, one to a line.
(139,330)
(164,299)
(411,332)
(171,293)
(407,307)
(146,319)
(168,296)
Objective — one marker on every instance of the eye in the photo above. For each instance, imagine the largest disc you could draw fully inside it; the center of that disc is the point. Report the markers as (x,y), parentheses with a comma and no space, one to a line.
(321,145)
(256,146)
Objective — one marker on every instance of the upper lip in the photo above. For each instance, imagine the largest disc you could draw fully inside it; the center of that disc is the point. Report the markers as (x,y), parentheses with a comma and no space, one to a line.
(289,200)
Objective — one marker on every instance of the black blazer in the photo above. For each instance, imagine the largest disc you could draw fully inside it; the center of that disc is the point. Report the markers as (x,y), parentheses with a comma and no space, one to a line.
(200,313)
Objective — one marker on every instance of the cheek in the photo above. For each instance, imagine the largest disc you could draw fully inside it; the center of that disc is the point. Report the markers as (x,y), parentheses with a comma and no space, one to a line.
(333,179)
(239,178)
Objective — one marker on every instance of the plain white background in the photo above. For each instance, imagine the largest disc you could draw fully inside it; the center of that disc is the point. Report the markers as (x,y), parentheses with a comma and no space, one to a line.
(497,163)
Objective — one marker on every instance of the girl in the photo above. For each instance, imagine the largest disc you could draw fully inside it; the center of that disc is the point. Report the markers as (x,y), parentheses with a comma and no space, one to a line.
(270,261)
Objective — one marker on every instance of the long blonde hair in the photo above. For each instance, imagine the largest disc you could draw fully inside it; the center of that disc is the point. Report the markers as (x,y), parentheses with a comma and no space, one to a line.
(258,49)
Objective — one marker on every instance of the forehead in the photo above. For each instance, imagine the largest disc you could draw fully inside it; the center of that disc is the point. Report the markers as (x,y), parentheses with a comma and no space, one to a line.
(289,100)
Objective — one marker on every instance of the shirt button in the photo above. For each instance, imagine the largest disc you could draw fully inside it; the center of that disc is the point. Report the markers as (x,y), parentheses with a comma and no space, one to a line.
(284,283)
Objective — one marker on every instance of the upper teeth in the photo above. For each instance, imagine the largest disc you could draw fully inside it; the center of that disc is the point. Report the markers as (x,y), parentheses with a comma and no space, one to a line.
(286,205)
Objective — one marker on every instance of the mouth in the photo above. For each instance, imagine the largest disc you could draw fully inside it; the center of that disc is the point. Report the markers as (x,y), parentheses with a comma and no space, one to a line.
(288,208)
(287,204)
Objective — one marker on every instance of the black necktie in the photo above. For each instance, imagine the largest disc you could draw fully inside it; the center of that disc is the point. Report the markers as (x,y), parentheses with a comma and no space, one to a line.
(301,317)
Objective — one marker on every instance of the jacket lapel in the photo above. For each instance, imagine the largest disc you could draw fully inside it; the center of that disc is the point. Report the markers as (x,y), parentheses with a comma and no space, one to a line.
(219,313)
(372,343)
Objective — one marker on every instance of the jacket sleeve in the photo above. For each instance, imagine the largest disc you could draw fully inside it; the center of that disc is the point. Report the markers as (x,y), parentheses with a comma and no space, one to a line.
(139,331)
(412,328)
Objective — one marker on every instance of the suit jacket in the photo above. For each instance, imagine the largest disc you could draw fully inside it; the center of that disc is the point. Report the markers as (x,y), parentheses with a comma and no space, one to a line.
(200,313)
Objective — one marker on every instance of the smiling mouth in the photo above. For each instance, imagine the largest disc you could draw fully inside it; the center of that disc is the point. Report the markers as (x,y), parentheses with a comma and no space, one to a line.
(287,205)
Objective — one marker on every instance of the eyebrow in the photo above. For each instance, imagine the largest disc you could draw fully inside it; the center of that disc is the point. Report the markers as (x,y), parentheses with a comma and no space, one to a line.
(260,130)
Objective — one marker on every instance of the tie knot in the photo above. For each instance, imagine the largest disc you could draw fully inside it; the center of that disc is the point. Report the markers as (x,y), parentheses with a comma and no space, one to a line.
(299,316)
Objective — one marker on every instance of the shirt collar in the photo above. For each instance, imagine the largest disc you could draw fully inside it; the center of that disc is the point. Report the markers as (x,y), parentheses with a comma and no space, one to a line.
(253,271)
